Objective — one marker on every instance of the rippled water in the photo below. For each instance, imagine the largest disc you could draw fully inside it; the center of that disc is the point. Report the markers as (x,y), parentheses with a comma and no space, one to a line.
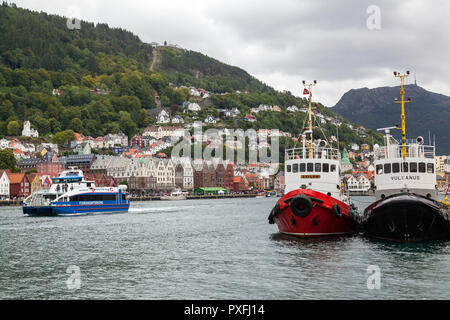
(205,249)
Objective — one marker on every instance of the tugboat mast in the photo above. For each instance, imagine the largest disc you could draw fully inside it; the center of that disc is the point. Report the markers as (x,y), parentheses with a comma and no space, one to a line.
(308,90)
(403,117)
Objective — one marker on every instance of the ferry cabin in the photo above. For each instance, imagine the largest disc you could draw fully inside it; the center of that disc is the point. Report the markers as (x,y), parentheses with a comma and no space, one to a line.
(320,173)
(415,173)
(103,199)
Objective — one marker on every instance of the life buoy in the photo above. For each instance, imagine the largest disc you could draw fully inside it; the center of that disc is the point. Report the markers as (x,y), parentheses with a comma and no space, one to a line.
(301,206)
(337,211)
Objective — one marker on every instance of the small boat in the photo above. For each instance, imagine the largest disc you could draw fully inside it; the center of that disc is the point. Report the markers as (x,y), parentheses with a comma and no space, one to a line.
(406,208)
(70,193)
(314,202)
(175,195)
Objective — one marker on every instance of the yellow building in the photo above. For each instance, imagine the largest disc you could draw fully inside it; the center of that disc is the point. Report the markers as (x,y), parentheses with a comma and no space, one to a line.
(36,184)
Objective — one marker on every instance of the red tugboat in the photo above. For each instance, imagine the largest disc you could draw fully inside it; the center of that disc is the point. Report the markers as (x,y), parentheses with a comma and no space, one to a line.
(314,203)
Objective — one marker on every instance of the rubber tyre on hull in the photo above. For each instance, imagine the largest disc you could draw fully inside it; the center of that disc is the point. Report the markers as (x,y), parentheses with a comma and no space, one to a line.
(301,206)
(337,211)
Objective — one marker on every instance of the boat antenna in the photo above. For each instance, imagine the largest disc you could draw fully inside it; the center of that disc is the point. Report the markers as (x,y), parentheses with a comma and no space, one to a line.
(402,101)
(308,91)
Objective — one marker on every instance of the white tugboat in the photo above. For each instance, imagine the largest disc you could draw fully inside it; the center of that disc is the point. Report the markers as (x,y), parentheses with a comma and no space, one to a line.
(405,180)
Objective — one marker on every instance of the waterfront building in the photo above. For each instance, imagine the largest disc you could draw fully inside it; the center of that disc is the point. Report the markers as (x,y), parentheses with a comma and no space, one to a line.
(19,185)
(229,175)
(35,182)
(184,175)
(117,168)
(4,185)
(165,175)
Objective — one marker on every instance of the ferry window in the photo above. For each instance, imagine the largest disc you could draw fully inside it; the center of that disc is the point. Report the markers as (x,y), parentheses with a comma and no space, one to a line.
(387,168)
(295,168)
(430,167)
(396,167)
(413,167)
(288,168)
(379,169)
(310,167)
(422,167)
(124,197)
(302,167)
(317,167)
(333,168)
(326,167)
(405,166)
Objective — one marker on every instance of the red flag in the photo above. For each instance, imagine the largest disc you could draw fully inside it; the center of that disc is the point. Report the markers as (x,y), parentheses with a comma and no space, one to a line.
(305,91)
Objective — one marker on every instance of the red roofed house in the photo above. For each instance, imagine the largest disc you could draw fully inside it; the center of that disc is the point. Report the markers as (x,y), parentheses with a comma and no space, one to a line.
(240,184)
(19,185)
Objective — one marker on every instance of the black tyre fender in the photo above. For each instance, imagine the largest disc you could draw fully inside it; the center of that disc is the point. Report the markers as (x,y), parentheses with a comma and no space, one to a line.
(301,206)
(274,213)
(337,211)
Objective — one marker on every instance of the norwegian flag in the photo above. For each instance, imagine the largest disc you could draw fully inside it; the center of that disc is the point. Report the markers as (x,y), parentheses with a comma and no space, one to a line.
(305,91)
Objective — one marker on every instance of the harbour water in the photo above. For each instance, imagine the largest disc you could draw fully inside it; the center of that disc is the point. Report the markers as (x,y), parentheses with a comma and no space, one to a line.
(205,249)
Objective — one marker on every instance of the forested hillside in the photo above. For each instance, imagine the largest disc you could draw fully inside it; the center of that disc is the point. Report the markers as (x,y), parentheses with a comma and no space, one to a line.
(99,80)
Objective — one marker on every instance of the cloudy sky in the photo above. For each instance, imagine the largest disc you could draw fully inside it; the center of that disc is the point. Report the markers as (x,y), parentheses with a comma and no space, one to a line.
(342,44)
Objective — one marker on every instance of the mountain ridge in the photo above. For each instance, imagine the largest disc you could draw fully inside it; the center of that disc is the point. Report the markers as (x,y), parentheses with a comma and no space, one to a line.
(375,108)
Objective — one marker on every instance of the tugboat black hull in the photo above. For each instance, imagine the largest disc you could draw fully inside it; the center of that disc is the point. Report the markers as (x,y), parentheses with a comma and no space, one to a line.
(406,217)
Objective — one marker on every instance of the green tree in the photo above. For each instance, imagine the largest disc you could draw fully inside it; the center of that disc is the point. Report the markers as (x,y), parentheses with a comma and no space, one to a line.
(61,138)
(7,159)
(13,128)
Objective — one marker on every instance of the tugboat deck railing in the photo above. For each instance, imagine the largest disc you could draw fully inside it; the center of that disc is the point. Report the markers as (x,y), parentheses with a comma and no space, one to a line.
(412,151)
(318,153)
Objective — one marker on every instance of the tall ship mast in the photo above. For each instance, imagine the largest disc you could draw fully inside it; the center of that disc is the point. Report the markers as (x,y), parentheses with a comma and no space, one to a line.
(314,203)
(405,187)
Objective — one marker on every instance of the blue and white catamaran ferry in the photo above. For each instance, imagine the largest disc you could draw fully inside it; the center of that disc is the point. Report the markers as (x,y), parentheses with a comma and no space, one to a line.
(70,193)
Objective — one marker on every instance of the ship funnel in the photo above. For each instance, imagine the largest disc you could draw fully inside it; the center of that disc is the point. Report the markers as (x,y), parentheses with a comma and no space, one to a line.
(419,140)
